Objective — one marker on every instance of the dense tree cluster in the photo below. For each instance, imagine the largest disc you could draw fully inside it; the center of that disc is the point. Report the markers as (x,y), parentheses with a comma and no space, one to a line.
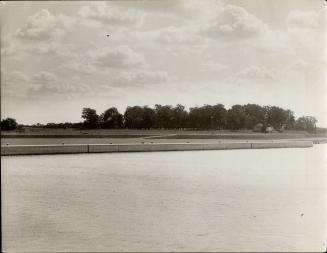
(206,117)
(8,124)
(307,123)
(60,125)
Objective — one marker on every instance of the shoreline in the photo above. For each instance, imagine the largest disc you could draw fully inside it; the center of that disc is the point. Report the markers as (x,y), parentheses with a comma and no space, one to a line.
(7,150)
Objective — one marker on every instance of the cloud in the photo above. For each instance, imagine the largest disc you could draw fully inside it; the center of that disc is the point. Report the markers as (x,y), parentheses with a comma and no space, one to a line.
(64,89)
(185,35)
(235,22)
(306,31)
(110,15)
(46,83)
(301,65)
(14,83)
(17,49)
(255,73)
(141,78)
(302,19)
(51,48)
(178,10)
(78,66)
(43,26)
(213,66)
(44,77)
(13,77)
(119,57)
(41,35)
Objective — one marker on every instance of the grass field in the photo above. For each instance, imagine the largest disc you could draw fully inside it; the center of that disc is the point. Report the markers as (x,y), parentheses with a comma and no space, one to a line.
(153,133)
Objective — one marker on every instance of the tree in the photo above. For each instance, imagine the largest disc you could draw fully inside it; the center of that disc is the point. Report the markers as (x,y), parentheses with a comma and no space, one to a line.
(133,117)
(111,118)
(253,115)
(208,117)
(290,121)
(8,124)
(307,123)
(91,119)
(276,117)
(148,118)
(195,119)
(164,116)
(180,117)
(236,118)
(218,116)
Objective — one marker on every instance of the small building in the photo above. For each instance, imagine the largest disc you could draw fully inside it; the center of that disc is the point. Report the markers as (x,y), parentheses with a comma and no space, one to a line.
(269,129)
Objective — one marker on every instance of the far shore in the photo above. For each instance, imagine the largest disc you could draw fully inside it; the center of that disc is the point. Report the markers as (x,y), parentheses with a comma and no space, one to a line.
(44,136)
(157,134)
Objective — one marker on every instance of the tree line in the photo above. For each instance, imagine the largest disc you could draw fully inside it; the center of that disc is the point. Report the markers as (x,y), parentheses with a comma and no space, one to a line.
(206,117)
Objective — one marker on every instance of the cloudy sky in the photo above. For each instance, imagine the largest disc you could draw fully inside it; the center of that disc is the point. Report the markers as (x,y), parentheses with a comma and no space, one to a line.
(56,57)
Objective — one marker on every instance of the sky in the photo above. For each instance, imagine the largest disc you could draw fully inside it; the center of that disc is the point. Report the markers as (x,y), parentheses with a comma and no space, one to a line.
(56,57)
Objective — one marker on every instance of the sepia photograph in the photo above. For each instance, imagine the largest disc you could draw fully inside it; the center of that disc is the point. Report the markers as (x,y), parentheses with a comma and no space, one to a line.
(163,126)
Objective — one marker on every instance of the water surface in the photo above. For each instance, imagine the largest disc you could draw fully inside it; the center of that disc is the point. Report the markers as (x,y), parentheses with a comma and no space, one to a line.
(233,200)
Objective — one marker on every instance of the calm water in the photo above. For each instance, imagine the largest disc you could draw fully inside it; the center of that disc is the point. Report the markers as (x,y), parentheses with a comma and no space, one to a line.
(234,200)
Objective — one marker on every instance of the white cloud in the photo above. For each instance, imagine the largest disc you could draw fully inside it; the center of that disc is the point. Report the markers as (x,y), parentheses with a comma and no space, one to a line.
(235,22)
(119,57)
(41,35)
(301,65)
(13,77)
(110,15)
(141,78)
(78,66)
(51,48)
(44,77)
(301,68)
(255,72)
(14,83)
(213,66)
(46,83)
(62,88)
(176,9)
(185,35)
(306,30)
(44,26)
(302,19)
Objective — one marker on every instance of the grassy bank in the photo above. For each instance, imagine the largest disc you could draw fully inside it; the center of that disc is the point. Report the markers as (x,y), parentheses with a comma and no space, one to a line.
(153,134)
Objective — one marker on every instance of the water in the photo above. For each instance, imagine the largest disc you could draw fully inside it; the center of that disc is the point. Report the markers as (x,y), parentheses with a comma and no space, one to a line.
(233,200)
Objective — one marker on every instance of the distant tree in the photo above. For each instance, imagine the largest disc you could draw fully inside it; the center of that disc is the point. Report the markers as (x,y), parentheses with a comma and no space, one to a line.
(194,118)
(236,118)
(91,119)
(164,116)
(133,117)
(218,116)
(148,118)
(180,117)
(8,124)
(59,125)
(249,116)
(290,120)
(276,117)
(307,123)
(111,118)
(253,115)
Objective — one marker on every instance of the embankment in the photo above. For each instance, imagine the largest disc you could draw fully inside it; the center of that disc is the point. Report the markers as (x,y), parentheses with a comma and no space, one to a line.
(110,148)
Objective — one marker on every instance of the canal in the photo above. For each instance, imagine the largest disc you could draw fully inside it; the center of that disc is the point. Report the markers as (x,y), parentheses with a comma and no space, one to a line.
(226,200)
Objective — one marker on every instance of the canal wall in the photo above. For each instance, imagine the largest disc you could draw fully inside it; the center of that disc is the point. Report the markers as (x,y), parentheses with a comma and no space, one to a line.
(146,147)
